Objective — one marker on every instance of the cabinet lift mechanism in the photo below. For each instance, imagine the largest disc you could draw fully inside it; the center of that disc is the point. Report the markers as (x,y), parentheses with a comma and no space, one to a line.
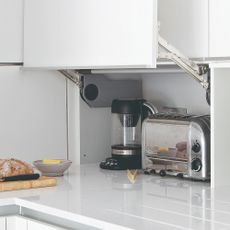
(197,71)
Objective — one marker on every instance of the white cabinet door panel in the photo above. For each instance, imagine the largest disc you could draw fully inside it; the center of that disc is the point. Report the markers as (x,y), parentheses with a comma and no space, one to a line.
(90,33)
(16,223)
(35,225)
(184,24)
(220,113)
(11,27)
(219,28)
(2,223)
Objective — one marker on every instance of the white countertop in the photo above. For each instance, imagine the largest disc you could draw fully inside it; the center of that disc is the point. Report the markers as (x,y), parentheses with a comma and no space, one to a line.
(106,199)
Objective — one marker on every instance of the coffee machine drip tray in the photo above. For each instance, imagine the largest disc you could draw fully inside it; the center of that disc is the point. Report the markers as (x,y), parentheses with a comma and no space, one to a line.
(128,150)
(122,162)
(123,157)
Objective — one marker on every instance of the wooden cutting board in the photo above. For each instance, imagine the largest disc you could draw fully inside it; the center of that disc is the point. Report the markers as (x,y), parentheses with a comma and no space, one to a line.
(26,184)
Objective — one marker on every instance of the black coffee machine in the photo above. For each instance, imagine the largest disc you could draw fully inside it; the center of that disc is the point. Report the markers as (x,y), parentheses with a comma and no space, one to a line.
(127,116)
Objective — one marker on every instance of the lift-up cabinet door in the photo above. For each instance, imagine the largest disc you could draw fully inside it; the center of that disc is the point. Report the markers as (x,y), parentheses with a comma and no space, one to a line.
(184,24)
(197,28)
(219,28)
(86,34)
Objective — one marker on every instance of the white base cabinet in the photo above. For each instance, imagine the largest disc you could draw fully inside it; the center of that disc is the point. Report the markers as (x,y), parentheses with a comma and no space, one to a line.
(2,223)
(220,123)
(23,223)
(36,225)
(16,223)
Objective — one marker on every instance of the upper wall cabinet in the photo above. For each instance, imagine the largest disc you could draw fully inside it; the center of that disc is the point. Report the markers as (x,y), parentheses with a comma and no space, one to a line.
(85,34)
(197,28)
(219,28)
(11,31)
(184,24)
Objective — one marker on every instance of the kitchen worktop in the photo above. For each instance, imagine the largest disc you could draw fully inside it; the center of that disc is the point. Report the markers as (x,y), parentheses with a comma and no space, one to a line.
(106,199)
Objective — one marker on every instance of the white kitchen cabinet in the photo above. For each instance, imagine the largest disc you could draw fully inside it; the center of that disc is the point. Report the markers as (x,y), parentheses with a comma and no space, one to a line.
(197,28)
(219,28)
(90,34)
(121,34)
(11,27)
(2,223)
(82,34)
(220,123)
(36,225)
(16,223)
(185,25)
(73,97)
(24,223)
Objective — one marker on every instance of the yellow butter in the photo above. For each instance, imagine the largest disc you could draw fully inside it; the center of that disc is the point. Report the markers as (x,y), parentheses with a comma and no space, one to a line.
(51,162)
(163,149)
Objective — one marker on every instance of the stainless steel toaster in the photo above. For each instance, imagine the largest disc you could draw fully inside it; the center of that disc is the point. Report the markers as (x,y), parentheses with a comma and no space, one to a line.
(177,145)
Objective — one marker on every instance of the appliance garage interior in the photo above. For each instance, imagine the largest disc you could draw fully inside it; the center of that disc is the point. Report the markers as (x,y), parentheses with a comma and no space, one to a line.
(114,114)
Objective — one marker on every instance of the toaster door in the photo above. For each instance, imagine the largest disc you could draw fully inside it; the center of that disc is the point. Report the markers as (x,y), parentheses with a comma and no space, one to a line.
(165,146)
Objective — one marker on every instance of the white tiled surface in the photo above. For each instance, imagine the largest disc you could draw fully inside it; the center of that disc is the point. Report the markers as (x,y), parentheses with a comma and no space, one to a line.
(94,196)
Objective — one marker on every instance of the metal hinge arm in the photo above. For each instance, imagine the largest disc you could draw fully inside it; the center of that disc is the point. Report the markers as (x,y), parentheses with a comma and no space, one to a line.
(73,76)
(194,69)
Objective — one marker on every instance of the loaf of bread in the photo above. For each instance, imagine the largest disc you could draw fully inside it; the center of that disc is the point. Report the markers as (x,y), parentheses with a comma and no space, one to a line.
(14,167)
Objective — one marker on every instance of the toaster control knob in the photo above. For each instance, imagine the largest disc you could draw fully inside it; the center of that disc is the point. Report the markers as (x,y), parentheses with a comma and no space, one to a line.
(196,147)
(196,164)
(162,173)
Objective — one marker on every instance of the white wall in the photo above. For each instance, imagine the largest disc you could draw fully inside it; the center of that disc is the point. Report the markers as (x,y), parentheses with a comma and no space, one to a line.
(32,114)
(175,90)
